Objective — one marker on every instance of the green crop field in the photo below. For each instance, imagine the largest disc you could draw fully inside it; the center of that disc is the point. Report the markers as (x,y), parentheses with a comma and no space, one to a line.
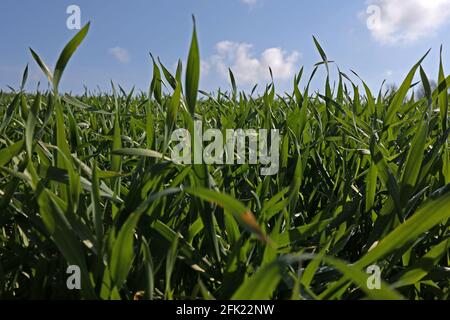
(88,180)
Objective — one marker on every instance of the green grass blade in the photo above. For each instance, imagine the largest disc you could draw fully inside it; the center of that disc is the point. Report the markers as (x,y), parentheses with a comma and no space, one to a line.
(67,53)
(260,285)
(192,72)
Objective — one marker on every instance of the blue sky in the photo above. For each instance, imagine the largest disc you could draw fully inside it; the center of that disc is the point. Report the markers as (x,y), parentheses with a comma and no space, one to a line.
(246,35)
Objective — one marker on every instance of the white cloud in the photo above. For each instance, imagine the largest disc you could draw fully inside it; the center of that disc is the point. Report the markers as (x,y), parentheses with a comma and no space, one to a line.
(249,2)
(248,69)
(120,54)
(205,67)
(406,21)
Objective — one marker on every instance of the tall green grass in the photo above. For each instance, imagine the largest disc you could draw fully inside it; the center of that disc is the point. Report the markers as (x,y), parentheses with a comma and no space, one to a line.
(88,180)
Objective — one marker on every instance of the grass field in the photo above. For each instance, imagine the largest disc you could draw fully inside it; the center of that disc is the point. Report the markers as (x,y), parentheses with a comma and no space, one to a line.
(364,179)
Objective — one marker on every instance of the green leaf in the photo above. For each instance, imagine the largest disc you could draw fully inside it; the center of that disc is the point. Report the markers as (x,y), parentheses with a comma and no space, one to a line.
(66,54)
(42,65)
(233,84)
(322,53)
(371,186)
(12,107)
(401,93)
(64,237)
(139,153)
(357,276)
(192,72)
(443,97)
(24,78)
(421,268)
(155,86)
(117,145)
(426,85)
(6,154)
(31,124)
(243,215)
(147,259)
(174,103)
(429,215)
(170,264)
(414,160)
(169,77)
(97,212)
(123,252)
(260,285)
